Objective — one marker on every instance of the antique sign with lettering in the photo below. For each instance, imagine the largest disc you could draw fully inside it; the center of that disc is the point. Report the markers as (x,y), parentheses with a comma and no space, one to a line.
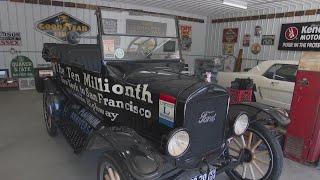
(246,40)
(57,26)
(258,31)
(255,48)
(186,37)
(267,39)
(10,39)
(21,67)
(148,28)
(228,49)
(300,37)
(109,26)
(230,35)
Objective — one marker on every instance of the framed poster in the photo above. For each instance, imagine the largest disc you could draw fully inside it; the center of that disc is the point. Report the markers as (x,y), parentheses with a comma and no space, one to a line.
(300,37)
(257,31)
(267,40)
(228,49)
(186,37)
(230,35)
(246,40)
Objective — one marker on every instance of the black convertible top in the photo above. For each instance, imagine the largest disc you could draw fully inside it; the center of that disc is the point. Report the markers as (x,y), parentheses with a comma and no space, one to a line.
(87,55)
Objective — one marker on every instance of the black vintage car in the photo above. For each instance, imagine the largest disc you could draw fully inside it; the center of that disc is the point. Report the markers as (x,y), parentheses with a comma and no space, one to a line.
(127,97)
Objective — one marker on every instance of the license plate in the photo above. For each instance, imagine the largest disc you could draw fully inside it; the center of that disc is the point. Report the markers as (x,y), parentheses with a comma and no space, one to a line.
(212,176)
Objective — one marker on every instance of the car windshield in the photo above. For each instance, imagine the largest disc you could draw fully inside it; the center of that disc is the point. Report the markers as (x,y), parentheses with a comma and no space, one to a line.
(131,35)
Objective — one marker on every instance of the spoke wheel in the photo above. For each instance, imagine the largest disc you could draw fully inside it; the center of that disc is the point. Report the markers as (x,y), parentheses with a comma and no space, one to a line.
(48,117)
(262,155)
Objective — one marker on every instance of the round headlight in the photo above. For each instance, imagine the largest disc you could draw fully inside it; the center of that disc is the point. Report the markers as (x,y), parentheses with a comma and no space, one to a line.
(241,124)
(178,143)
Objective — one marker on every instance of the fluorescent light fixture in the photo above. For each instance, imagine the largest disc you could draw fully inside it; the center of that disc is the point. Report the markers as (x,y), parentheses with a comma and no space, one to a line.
(236,3)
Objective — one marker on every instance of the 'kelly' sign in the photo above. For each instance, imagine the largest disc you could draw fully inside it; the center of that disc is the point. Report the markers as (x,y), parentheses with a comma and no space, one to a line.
(300,37)
(10,39)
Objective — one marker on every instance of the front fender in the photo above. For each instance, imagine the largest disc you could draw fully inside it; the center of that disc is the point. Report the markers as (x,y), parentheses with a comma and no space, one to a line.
(257,111)
(142,161)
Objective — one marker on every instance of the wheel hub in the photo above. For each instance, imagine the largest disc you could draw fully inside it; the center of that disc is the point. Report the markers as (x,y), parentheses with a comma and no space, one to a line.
(247,155)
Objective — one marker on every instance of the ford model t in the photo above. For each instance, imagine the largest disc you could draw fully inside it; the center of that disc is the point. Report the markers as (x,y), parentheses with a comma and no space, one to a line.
(126,95)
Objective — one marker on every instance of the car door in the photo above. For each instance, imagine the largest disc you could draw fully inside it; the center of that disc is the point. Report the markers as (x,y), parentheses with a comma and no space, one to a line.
(282,86)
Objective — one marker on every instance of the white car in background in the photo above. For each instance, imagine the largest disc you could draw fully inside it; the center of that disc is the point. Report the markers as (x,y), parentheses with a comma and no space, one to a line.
(274,79)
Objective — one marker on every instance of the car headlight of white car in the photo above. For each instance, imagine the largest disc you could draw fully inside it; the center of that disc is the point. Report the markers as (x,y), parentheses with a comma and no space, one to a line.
(241,124)
(178,142)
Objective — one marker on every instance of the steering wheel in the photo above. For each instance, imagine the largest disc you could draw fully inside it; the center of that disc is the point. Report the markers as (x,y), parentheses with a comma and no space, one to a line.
(144,46)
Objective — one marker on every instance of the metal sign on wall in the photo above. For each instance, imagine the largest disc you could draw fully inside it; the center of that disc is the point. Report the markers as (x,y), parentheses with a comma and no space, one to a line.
(186,37)
(21,67)
(10,39)
(138,27)
(300,37)
(57,26)
(267,39)
(230,35)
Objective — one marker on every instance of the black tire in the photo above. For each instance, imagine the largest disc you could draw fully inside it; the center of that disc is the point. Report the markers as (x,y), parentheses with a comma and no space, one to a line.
(50,126)
(108,160)
(276,156)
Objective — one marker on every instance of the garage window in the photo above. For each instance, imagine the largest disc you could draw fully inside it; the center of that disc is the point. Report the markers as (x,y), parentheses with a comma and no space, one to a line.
(282,72)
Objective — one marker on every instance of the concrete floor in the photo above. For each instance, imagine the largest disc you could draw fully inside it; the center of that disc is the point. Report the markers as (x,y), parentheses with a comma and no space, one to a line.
(28,153)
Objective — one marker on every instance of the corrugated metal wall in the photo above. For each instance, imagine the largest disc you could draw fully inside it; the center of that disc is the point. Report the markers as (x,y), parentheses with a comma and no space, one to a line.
(214,46)
(21,17)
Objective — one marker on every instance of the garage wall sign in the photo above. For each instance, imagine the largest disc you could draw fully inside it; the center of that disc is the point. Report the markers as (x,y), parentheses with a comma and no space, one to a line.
(300,37)
(257,31)
(228,49)
(267,39)
(21,67)
(10,39)
(230,35)
(186,37)
(109,26)
(138,27)
(57,26)
(256,48)
(246,40)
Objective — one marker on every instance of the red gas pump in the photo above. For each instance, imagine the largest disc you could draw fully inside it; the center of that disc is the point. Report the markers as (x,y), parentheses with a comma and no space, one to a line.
(303,135)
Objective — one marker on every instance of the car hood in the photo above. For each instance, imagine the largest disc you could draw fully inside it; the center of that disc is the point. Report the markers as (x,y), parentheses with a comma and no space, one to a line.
(162,80)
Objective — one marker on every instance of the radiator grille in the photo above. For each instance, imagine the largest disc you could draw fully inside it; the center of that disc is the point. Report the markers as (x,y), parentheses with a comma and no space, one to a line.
(294,146)
(209,135)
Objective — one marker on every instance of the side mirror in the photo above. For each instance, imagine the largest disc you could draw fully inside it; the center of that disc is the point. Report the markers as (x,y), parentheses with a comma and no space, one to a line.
(73,37)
